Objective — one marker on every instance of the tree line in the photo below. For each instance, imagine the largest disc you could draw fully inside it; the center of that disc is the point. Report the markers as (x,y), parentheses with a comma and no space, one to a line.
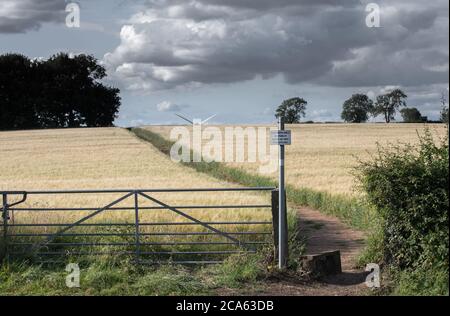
(62,91)
(359,108)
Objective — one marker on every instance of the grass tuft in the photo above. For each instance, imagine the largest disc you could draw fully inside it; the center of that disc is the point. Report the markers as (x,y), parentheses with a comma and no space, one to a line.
(239,270)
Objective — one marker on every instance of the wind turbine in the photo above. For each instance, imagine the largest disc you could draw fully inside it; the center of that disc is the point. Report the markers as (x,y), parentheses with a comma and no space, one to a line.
(196,121)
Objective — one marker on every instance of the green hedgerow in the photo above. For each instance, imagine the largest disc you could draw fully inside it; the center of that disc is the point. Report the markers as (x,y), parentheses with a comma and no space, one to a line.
(408,186)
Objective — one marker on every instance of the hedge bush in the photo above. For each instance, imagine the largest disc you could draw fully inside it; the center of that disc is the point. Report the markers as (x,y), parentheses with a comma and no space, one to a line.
(408,186)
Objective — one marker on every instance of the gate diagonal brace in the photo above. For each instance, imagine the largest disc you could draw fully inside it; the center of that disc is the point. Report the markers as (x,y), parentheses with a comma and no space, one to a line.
(173,209)
(62,231)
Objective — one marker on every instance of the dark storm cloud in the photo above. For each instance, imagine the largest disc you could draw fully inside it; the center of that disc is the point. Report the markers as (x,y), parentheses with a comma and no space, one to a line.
(19,16)
(174,43)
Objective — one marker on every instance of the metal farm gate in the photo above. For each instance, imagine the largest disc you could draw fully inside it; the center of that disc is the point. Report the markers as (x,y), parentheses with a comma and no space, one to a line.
(41,225)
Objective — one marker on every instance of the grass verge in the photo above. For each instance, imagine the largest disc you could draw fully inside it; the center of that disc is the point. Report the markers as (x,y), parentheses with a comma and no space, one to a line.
(107,276)
(119,276)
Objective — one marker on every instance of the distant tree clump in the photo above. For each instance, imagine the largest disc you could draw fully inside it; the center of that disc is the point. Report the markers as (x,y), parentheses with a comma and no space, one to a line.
(411,115)
(444,115)
(357,109)
(444,111)
(389,103)
(292,110)
(17,105)
(62,91)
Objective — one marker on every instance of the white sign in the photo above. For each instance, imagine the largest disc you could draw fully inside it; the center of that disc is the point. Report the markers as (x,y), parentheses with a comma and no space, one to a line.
(280,137)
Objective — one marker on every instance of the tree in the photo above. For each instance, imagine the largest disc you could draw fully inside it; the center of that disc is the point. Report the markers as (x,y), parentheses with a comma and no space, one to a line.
(444,115)
(411,115)
(388,104)
(17,105)
(73,96)
(62,91)
(444,111)
(357,109)
(292,110)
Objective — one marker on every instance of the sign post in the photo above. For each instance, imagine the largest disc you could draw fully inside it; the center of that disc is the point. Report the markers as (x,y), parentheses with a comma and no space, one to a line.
(282,138)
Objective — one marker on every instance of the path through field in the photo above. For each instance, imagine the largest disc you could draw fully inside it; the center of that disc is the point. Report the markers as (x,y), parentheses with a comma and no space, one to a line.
(327,233)
(323,233)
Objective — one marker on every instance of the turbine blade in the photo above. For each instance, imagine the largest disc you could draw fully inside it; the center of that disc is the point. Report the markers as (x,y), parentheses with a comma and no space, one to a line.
(183,118)
(209,118)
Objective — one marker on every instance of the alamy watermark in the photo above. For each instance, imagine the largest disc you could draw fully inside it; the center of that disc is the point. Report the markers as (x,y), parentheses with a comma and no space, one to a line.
(373,18)
(73,17)
(226,144)
(373,279)
(73,278)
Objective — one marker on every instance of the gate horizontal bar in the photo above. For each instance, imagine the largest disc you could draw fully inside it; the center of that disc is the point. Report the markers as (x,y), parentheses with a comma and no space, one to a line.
(141,224)
(142,234)
(87,253)
(199,243)
(143,262)
(140,208)
(148,262)
(69,253)
(143,191)
(224,252)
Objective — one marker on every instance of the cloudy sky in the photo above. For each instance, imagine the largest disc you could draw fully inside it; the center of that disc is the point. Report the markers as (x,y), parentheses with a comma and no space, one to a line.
(240,58)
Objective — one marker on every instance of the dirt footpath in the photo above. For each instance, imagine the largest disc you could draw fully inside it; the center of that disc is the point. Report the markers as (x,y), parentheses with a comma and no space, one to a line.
(323,233)
(326,233)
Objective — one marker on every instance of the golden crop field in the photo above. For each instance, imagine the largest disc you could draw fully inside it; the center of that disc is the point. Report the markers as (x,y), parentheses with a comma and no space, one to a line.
(323,156)
(110,158)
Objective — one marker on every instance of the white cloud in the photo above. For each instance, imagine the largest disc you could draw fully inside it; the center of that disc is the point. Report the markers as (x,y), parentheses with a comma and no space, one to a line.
(167,106)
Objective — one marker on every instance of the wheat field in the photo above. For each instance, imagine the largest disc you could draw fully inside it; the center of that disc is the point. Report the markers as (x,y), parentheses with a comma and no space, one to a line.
(322,156)
(112,158)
